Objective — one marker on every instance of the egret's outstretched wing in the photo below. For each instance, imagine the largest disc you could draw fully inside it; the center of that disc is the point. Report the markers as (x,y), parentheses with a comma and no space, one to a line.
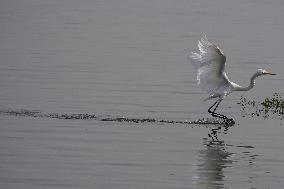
(210,64)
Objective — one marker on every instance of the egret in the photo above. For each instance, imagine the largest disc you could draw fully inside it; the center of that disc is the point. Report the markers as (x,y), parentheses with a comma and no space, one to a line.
(212,78)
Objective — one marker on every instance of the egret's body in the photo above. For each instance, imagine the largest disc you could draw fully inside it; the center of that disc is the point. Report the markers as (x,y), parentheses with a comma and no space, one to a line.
(211,76)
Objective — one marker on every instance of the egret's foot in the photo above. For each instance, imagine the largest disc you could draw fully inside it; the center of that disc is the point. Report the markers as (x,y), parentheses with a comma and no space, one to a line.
(229,122)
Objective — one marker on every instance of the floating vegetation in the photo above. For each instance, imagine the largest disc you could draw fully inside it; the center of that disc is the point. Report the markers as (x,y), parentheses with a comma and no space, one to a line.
(271,107)
(79,116)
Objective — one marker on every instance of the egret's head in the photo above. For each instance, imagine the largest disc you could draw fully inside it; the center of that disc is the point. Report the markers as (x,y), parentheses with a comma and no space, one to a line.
(264,72)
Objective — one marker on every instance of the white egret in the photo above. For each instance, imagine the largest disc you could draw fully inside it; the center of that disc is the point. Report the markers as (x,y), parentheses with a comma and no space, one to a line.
(211,76)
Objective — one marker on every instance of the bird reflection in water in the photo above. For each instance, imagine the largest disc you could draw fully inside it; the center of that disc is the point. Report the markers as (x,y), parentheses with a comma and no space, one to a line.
(213,160)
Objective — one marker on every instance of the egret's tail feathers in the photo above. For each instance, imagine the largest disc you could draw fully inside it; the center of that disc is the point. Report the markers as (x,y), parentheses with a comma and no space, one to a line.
(208,98)
(214,95)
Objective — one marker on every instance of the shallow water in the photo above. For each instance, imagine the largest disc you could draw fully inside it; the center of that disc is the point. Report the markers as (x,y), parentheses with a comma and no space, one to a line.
(128,59)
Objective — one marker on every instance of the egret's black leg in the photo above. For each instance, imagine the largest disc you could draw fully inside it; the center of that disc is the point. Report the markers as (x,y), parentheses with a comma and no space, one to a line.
(222,116)
(213,113)
(209,110)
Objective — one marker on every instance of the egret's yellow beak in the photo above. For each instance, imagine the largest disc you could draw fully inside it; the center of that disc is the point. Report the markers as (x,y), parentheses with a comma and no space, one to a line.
(269,73)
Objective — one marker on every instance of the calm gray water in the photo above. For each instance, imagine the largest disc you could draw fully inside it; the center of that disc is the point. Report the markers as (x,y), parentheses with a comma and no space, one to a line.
(128,58)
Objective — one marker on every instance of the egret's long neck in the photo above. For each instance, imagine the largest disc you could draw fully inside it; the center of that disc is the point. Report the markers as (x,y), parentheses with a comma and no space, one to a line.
(250,86)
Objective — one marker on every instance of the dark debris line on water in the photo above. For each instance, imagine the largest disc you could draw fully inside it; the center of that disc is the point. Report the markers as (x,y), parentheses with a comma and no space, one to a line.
(38,114)
(33,113)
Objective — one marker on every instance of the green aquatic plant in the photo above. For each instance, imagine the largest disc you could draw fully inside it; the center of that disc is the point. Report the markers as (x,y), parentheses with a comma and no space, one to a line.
(275,104)
(270,107)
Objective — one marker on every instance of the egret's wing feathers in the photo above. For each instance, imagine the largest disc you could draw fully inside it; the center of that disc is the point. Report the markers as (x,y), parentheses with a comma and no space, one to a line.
(208,53)
(210,63)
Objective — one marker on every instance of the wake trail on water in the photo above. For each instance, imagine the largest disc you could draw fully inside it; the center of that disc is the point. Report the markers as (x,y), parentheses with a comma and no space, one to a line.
(87,116)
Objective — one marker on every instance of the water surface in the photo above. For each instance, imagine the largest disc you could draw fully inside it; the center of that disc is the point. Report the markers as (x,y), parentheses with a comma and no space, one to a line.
(129,59)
